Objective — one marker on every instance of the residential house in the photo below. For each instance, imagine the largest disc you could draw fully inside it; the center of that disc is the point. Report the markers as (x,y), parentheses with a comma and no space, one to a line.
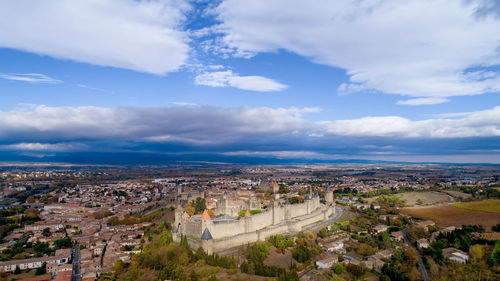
(397,235)
(456,255)
(422,243)
(328,262)
(379,228)
(334,246)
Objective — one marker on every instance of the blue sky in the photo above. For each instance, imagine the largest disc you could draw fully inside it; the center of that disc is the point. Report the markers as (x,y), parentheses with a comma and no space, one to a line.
(372,79)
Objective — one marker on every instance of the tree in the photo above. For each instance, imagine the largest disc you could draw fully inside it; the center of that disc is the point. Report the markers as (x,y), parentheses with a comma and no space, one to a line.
(42,248)
(477,252)
(302,253)
(356,270)
(323,232)
(17,270)
(496,227)
(42,269)
(199,205)
(46,232)
(282,189)
(63,243)
(339,268)
(31,213)
(30,200)
(189,210)
(366,250)
(242,213)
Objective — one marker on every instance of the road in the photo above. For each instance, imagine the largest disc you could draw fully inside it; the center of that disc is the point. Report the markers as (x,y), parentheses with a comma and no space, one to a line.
(75,258)
(338,213)
(421,265)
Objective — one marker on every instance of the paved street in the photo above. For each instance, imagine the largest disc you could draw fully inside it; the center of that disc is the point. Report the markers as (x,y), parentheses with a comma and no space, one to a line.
(421,265)
(75,258)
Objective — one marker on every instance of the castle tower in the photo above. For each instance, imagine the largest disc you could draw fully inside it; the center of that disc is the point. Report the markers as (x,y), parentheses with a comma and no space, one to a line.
(224,204)
(207,241)
(288,211)
(308,204)
(248,222)
(275,187)
(178,215)
(177,223)
(277,212)
(205,220)
(329,195)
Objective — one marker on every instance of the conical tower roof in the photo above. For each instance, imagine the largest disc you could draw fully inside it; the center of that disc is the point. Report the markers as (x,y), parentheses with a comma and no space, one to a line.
(205,216)
(247,214)
(206,235)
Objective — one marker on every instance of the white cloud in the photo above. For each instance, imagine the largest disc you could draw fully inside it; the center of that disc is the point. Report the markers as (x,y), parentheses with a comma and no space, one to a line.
(485,123)
(200,124)
(423,101)
(283,154)
(36,146)
(204,125)
(229,79)
(181,103)
(35,78)
(138,35)
(417,48)
(91,88)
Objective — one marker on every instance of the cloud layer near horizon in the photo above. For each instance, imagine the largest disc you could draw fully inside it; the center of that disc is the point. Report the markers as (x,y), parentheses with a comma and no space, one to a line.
(205,125)
(284,133)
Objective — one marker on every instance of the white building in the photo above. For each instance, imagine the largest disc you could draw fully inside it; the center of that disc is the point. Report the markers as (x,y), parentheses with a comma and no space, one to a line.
(456,255)
(328,262)
(9,266)
(334,246)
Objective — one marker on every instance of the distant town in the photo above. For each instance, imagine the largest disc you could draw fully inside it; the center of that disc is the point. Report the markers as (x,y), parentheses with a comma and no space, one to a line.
(229,222)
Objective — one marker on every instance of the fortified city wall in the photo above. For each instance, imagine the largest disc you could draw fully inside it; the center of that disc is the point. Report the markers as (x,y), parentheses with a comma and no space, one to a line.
(218,235)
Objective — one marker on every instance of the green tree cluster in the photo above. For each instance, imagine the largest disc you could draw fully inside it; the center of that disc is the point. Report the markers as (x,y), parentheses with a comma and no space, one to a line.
(199,205)
(301,253)
(281,242)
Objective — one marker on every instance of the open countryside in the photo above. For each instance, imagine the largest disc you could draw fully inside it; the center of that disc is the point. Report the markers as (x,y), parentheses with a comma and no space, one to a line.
(491,206)
(447,215)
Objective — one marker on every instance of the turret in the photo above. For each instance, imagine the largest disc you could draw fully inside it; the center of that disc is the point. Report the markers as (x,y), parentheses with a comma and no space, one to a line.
(329,195)
(207,241)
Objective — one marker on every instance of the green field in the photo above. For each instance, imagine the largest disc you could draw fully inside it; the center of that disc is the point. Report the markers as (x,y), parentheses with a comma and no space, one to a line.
(426,197)
(490,206)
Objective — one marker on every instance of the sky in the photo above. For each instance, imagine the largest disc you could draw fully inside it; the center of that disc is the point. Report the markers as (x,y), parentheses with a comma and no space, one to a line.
(388,80)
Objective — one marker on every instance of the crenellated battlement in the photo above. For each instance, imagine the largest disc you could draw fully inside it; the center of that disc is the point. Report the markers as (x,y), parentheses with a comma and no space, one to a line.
(280,217)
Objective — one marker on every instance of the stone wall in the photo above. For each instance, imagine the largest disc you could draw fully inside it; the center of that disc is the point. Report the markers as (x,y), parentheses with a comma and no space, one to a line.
(261,220)
(278,219)
(291,226)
